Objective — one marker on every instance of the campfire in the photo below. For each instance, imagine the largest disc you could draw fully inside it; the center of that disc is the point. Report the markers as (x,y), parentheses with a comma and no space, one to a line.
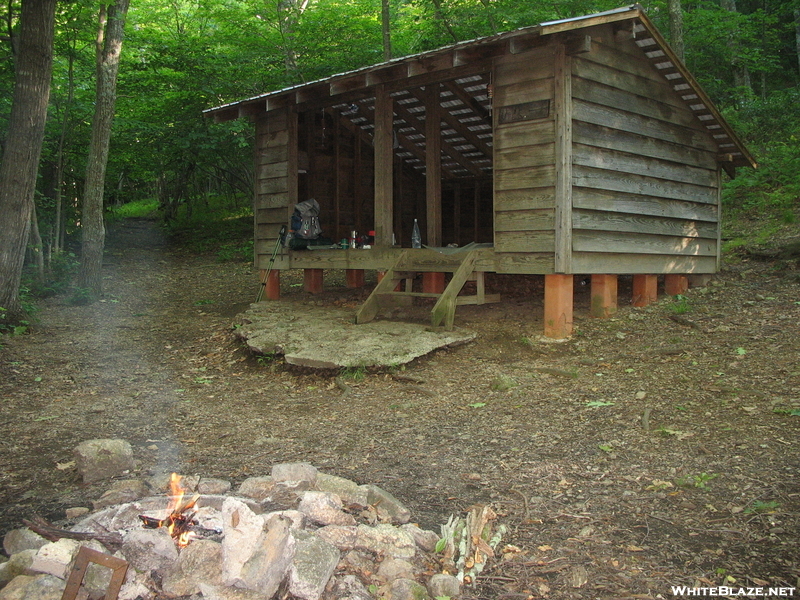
(180,519)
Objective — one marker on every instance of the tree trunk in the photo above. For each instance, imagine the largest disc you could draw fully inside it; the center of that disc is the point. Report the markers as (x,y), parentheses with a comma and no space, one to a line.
(386,29)
(23,147)
(109,46)
(676,27)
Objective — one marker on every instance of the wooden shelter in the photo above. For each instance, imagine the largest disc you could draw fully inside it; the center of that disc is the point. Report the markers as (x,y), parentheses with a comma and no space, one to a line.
(580,146)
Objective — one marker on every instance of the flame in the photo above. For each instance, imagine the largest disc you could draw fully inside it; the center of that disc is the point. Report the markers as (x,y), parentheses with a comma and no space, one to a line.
(176,509)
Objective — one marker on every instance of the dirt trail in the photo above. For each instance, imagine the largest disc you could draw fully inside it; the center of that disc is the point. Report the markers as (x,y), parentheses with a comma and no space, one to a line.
(550,434)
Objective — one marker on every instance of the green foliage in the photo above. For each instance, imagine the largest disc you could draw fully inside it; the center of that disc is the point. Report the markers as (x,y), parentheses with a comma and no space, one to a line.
(762,507)
(680,305)
(353,373)
(146,208)
(699,481)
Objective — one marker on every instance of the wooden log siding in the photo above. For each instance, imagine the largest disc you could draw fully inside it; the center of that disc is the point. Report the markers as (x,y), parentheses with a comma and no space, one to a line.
(275,185)
(645,176)
(524,165)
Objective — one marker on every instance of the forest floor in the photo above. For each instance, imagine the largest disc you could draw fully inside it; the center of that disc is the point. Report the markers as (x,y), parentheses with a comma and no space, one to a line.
(657,448)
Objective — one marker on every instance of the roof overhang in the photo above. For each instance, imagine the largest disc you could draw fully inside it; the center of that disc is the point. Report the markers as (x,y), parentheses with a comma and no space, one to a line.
(466,58)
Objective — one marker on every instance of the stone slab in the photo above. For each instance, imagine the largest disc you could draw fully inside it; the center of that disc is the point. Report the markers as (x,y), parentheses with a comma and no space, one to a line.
(327,337)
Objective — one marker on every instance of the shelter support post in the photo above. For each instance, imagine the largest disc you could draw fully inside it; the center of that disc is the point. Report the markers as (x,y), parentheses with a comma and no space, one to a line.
(675,285)
(433,283)
(272,286)
(604,296)
(354,278)
(645,290)
(558,289)
(312,280)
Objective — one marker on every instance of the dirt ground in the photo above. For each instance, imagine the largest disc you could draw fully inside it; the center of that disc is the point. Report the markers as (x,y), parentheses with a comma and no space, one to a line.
(653,449)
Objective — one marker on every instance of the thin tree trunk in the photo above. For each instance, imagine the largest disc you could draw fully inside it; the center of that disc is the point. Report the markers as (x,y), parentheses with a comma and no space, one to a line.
(23,147)
(386,29)
(58,242)
(109,46)
(676,27)
(36,245)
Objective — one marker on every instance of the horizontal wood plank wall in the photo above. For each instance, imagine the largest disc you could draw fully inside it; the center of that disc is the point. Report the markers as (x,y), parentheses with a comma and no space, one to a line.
(645,176)
(273,180)
(524,164)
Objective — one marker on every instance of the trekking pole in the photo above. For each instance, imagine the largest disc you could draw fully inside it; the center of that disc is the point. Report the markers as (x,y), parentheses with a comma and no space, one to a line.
(263,285)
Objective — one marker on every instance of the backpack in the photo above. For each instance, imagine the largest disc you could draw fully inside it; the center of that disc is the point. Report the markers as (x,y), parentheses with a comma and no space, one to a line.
(305,220)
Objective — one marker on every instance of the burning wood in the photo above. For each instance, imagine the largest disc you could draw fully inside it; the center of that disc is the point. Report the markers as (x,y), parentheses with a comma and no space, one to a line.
(179,522)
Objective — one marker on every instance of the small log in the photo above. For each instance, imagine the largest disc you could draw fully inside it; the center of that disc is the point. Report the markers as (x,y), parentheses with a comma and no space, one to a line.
(37,524)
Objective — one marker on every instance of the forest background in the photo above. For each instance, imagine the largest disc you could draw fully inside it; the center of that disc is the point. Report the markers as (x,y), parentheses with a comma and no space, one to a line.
(183,56)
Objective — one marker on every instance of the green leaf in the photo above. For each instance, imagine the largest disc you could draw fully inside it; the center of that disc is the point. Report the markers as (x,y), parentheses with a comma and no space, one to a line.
(741,351)
(441,545)
(598,404)
(477,405)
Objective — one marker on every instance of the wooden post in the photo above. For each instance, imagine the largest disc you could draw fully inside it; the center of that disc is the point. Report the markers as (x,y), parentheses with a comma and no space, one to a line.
(562,106)
(604,296)
(645,290)
(312,280)
(354,278)
(558,305)
(675,285)
(272,286)
(433,283)
(433,167)
(384,167)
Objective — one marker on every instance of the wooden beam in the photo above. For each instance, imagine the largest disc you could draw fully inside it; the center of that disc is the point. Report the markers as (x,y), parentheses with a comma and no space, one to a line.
(447,148)
(312,280)
(384,167)
(645,290)
(563,188)
(675,284)
(462,95)
(604,296)
(558,304)
(292,162)
(433,165)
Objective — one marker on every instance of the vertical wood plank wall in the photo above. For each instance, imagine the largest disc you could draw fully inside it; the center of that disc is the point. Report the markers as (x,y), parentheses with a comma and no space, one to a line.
(274,138)
(524,165)
(645,176)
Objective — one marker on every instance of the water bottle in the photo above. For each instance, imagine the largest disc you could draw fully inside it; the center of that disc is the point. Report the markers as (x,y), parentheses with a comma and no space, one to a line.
(416,238)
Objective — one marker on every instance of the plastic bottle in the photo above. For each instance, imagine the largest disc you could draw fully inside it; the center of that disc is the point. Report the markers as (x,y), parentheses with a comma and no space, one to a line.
(416,237)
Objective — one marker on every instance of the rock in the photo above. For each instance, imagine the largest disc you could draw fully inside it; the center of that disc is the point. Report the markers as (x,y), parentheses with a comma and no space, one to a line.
(297,520)
(257,488)
(18,540)
(269,564)
(293,473)
(103,459)
(442,584)
(97,577)
(54,558)
(349,491)
(386,504)
(242,529)
(324,508)
(121,492)
(213,592)
(213,486)
(200,562)
(38,587)
(386,539)
(344,538)
(135,586)
(424,538)
(314,562)
(350,588)
(407,589)
(76,512)
(18,564)
(395,568)
(150,550)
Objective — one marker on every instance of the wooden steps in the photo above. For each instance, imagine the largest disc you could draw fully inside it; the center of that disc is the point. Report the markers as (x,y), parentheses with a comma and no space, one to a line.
(462,267)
